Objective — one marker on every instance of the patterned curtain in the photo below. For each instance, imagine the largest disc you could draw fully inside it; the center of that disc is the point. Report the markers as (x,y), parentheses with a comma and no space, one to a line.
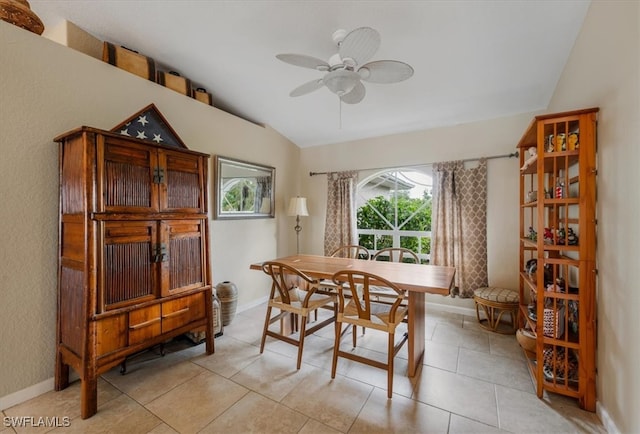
(340,224)
(263,190)
(459,226)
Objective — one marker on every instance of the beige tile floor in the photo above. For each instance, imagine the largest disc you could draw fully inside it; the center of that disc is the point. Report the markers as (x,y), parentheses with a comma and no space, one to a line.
(472,381)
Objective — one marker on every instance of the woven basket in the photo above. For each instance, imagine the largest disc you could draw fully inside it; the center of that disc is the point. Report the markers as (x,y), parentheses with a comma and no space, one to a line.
(552,324)
(527,341)
(19,13)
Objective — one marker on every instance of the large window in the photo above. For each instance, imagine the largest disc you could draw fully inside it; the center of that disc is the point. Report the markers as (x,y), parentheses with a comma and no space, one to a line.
(394,210)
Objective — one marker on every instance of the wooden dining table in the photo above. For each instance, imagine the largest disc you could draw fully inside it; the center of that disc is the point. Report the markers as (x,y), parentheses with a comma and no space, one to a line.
(417,279)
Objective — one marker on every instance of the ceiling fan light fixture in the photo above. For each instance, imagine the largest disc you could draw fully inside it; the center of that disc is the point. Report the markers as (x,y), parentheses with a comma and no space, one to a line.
(346,70)
(341,81)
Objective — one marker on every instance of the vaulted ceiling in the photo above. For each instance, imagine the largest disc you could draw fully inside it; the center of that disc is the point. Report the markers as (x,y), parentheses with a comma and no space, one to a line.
(473,60)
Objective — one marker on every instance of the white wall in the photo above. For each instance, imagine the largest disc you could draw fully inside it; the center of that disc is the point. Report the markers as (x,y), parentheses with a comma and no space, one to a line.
(603,71)
(487,138)
(47,89)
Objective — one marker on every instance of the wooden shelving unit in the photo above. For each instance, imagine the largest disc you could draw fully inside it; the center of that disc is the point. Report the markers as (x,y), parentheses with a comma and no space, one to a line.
(558,236)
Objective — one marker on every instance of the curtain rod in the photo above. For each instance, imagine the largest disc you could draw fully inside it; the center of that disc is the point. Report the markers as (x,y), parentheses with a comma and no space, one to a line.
(513,154)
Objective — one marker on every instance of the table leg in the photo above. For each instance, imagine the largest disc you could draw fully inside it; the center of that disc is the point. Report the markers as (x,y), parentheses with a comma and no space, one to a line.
(416,328)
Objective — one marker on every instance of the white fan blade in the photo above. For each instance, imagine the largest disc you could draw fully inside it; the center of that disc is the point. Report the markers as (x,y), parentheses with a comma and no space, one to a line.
(385,71)
(304,61)
(360,45)
(307,88)
(356,95)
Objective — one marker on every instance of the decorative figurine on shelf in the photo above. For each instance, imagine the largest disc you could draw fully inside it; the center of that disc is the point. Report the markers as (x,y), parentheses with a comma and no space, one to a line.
(558,286)
(573,315)
(530,267)
(550,143)
(548,236)
(559,189)
(533,235)
(572,238)
(533,156)
(561,236)
(573,141)
(547,194)
(532,310)
(561,144)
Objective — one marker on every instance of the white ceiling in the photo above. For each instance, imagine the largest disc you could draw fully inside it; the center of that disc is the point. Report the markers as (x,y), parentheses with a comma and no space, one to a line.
(473,60)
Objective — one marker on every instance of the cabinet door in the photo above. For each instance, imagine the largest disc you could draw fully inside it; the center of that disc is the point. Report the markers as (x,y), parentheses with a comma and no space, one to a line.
(128,177)
(128,263)
(185,268)
(183,188)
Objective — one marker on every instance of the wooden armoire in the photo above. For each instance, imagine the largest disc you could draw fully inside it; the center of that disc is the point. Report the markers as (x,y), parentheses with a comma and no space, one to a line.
(133,266)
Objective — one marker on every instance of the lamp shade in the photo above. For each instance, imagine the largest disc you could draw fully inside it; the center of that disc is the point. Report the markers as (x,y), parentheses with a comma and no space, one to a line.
(298,206)
(341,81)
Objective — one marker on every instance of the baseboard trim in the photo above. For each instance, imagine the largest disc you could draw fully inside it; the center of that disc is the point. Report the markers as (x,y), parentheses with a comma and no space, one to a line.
(26,394)
(252,304)
(606,420)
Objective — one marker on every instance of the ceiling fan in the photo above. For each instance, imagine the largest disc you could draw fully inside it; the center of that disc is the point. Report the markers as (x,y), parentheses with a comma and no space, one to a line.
(346,69)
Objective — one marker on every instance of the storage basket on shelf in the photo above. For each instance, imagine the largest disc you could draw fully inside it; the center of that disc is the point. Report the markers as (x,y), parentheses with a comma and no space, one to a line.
(552,324)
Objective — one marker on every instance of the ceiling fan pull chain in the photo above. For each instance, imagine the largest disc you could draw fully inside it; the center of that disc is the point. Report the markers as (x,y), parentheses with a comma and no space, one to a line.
(340,113)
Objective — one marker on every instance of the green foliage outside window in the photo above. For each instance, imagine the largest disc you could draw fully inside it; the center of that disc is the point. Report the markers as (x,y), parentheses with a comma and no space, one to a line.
(239,196)
(378,212)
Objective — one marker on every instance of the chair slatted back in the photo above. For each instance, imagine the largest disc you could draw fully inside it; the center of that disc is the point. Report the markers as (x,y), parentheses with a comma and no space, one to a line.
(352,251)
(284,278)
(396,254)
(358,283)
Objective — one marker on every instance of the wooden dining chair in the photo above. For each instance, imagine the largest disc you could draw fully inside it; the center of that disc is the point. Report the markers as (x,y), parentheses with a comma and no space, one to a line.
(294,293)
(396,254)
(392,254)
(361,310)
(352,251)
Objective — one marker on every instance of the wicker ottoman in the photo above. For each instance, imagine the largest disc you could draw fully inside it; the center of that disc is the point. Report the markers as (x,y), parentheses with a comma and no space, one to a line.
(496,302)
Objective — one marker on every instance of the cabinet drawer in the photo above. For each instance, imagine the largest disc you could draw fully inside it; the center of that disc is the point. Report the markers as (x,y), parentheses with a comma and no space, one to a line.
(144,324)
(111,334)
(176,313)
